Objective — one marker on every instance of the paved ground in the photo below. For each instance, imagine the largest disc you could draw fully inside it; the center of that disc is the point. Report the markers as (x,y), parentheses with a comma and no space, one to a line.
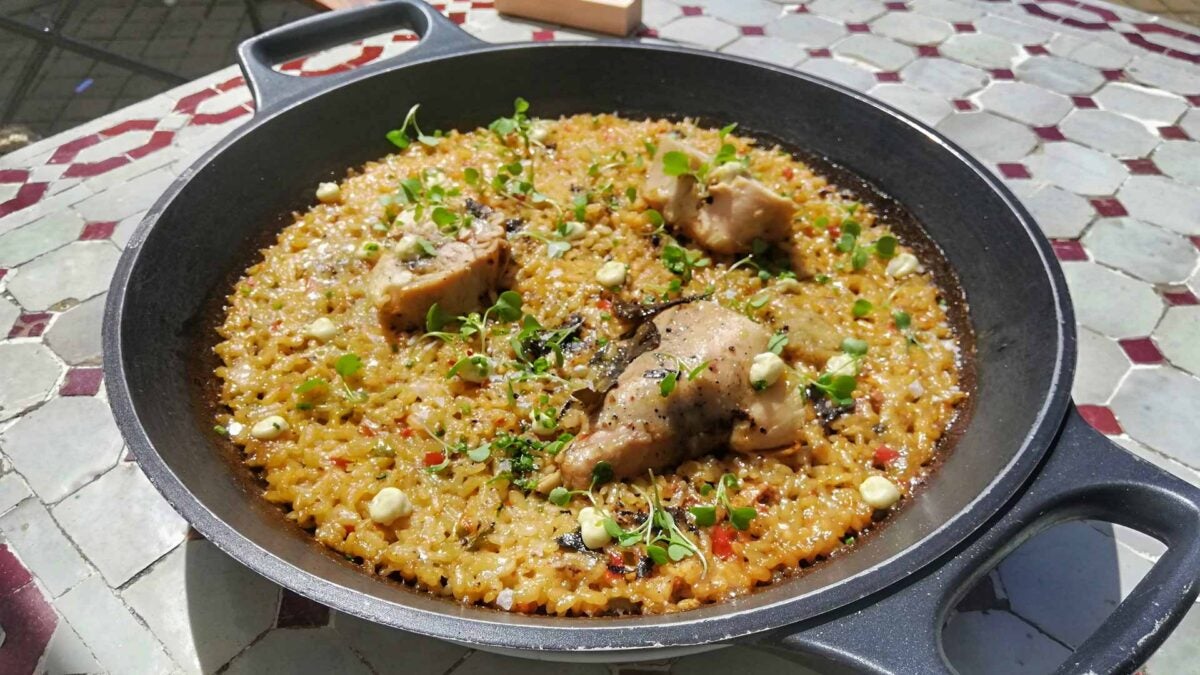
(1088,112)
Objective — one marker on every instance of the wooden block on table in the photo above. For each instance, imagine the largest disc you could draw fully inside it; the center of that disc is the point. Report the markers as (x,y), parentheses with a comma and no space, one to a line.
(615,17)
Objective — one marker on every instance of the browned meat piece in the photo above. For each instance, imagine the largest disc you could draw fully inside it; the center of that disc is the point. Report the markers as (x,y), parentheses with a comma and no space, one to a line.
(677,197)
(738,212)
(811,338)
(463,271)
(637,429)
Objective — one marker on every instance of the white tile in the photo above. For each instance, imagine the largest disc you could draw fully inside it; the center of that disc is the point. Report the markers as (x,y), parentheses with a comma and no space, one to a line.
(29,372)
(1143,103)
(927,107)
(1179,160)
(1060,214)
(1181,651)
(988,136)
(386,648)
(1025,103)
(1157,406)
(135,169)
(75,334)
(484,663)
(1102,363)
(850,11)
(769,49)
(806,30)
(13,490)
(1059,74)
(63,445)
(76,271)
(42,235)
(702,31)
(1146,544)
(1191,123)
(996,642)
(915,29)
(43,547)
(842,72)
(1144,251)
(743,12)
(125,229)
(1110,132)
(1090,52)
(876,51)
(1169,74)
(943,76)
(284,652)
(9,313)
(119,642)
(227,605)
(1178,337)
(1110,302)
(52,204)
(121,523)
(980,50)
(735,659)
(1162,201)
(954,12)
(66,654)
(1013,30)
(126,198)
(1078,169)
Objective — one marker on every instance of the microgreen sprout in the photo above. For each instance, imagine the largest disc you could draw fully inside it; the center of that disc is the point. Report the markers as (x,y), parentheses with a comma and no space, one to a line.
(682,262)
(739,516)
(662,537)
(400,137)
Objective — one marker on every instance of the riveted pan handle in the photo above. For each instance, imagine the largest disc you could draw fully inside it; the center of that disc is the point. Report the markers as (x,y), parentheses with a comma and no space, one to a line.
(1086,476)
(257,56)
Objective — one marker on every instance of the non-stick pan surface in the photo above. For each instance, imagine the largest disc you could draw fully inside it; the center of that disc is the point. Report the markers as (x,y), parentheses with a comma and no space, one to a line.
(1024,461)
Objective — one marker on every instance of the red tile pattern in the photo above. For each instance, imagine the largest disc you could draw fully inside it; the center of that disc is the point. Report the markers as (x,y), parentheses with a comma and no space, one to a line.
(1141,351)
(26,617)
(82,382)
(1101,418)
(31,324)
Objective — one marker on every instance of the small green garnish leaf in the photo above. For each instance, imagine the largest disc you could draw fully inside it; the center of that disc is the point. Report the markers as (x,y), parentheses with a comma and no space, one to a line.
(310,384)
(885,247)
(704,515)
(347,364)
(658,554)
(741,516)
(758,301)
(902,319)
(444,218)
(471,176)
(221,430)
(777,342)
(435,319)
(852,228)
(481,453)
(676,163)
(602,473)
(695,372)
(559,496)
(861,308)
(655,218)
(678,552)
(854,346)
(508,306)
(613,529)
(859,258)
(667,384)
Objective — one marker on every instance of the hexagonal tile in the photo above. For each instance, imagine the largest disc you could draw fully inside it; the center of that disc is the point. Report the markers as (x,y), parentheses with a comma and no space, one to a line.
(876,51)
(1110,132)
(806,30)
(76,271)
(1100,368)
(980,50)
(1025,103)
(8,315)
(702,31)
(29,372)
(950,10)
(75,334)
(1110,302)
(1060,214)
(1078,169)
(1179,160)
(1191,123)
(58,458)
(915,29)
(1178,336)
(743,12)
(770,49)
(1015,31)
(1162,201)
(842,72)
(1143,103)
(658,13)
(1157,406)
(1170,74)
(988,136)
(927,107)
(1095,53)
(42,235)
(1145,251)
(1059,74)
(850,11)
(227,605)
(943,76)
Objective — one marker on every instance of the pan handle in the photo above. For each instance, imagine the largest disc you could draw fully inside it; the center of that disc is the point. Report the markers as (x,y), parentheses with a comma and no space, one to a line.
(271,89)
(1086,476)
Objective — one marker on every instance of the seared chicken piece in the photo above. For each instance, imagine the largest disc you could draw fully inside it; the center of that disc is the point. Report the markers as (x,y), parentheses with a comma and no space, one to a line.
(638,429)
(737,213)
(811,338)
(724,216)
(456,278)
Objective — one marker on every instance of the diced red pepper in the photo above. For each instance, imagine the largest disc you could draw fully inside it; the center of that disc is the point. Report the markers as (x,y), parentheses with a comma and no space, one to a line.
(434,458)
(722,541)
(366,430)
(604,304)
(884,455)
(339,462)
(810,231)
(789,173)
(406,432)
(835,232)
(615,559)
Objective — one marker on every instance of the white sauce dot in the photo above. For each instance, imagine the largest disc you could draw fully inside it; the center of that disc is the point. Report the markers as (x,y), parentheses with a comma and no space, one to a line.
(902,265)
(269,428)
(842,364)
(322,329)
(591,528)
(329,193)
(879,492)
(611,273)
(765,369)
(389,504)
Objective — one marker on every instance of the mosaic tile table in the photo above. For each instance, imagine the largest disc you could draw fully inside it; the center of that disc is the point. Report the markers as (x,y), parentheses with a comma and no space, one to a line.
(1088,111)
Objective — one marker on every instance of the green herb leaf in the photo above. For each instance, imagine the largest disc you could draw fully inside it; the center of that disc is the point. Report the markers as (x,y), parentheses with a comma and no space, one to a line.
(885,247)
(858,259)
(347,364)
(741,516)
(861,308)
(310,384)
(695,372)
(678,552)
(852,228)
(726,130)
(903,319)
(602,473)
(651,149)
(704,515)
(758,301)
(676,163)
(435,318)
(471,176)
(846,242)
(854,346)
(631,194)
(612,528)
(657,553)
(667,384)
(444,218)
(654,217)
(508,306)
(559,496)
(777,342)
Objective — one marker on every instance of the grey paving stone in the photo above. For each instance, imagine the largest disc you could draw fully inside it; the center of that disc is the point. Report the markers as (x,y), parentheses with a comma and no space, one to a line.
(927,107)
(658,13)
(42,547)
(42,235)
(1090,52)
(75,334)
(383,647)
(1059,213)
(76,271)
(1060,74)
(1181,651)
(915,29)
(999,643)
(29,372)
(743,12)
(1191,123)
(806,30)
(842,72)
(980,50)
(1110,302)
(227,606)
(126,199)
(1169,74)
(1015,31)
(850,11)
(13,490)
(1081,170)
(943,76)
(66,654)
(119,642)
(1101,365)
(1145,251)
(1162,201)
(315,650)
(949,10)
(1157,406)
(1143,103)
(1179,160)
(8,316)
(988,136)
(63,445)
(1178,337)
(731,659)
(876,51)
(1144,543)
(769,49)
(703,31)
(1025,103)
(1110,132)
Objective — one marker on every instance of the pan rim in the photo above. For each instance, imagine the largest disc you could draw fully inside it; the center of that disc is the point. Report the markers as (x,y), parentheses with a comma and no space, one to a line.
(491,628)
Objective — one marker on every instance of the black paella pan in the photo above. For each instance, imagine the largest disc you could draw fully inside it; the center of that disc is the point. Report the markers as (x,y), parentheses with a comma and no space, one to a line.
(1024,460)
